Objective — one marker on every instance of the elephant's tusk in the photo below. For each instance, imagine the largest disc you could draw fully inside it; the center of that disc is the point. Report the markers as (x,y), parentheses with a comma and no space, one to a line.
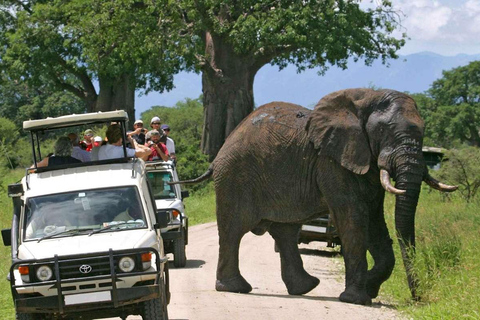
(385,180)
(435,184)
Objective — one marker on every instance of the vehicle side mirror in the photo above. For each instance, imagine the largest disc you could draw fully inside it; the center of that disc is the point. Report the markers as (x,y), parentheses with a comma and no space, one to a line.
(7,237)
(163,218)
(185,194)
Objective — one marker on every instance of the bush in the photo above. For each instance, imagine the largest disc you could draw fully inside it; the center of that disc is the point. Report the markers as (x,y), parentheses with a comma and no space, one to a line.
(462,169)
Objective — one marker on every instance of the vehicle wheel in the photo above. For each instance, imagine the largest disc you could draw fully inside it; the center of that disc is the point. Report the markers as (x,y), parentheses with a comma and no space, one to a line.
(156,309)
(179,255)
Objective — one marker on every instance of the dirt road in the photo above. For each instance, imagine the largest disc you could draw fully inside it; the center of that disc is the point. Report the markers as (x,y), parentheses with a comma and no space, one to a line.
(194,296)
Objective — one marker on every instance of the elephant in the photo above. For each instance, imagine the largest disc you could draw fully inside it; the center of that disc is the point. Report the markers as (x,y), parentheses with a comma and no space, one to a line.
(284,165)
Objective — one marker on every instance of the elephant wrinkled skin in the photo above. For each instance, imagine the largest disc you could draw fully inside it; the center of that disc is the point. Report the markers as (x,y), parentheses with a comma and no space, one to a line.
(284,165)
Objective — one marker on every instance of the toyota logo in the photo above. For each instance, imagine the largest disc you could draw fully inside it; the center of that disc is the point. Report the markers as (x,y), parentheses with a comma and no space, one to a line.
(85,268)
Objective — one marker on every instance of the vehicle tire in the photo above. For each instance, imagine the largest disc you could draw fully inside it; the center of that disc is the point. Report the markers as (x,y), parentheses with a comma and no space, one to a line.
(156,309)
(179,255)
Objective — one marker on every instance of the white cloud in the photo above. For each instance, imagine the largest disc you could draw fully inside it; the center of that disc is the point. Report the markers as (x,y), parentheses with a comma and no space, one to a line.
(442,26)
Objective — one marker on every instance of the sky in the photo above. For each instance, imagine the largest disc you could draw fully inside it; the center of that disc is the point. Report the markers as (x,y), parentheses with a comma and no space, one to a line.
(445,27)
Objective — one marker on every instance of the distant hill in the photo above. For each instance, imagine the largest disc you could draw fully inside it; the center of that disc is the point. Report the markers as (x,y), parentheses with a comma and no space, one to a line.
(413,73)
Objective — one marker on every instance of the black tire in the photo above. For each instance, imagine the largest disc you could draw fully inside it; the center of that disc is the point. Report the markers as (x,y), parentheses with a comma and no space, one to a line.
(156,309)
(179,254)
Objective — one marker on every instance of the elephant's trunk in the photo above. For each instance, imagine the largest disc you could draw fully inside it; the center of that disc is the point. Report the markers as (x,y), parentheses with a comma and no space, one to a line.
(409,175)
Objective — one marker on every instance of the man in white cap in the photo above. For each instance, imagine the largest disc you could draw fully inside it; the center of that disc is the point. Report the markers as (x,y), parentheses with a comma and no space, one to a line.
(138,133)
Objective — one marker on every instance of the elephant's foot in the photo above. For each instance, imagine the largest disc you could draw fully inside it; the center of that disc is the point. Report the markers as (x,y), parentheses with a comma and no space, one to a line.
(299,286)
(356,297)
(237,284)
(372,289)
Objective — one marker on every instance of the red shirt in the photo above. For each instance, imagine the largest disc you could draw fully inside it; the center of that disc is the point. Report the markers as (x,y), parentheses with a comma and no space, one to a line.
(154,155)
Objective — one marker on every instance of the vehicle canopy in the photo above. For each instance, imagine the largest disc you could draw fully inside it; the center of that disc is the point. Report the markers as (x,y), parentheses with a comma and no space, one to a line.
(43,127)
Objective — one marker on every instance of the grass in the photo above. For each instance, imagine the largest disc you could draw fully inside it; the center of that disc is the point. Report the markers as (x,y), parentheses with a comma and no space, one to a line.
(7,311)
(447,260)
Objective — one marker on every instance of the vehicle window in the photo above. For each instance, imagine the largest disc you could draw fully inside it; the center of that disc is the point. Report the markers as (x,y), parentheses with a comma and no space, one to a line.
(159,182)
(85,210)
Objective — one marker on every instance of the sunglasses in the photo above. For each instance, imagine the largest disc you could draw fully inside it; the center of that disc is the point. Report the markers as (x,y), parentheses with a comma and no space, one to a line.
(155,122)
(166,129)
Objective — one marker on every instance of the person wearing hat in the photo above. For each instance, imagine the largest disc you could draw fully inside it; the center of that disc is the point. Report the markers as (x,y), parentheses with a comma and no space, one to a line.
(155,123)
(169,143)
(159,150)
(88,142)
(138,133)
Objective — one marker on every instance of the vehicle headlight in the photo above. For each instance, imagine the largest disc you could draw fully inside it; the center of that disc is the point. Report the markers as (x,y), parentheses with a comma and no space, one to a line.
(44,273)
(126,264)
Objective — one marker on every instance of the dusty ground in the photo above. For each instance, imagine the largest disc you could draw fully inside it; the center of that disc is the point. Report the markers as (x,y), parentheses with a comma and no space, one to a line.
(194,296)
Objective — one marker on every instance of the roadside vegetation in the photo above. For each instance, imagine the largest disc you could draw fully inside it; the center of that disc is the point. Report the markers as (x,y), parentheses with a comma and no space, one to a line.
(447,259)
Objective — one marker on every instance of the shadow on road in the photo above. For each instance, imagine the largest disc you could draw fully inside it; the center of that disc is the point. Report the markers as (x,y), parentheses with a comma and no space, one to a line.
(191,264)
(322,253)
(321,298)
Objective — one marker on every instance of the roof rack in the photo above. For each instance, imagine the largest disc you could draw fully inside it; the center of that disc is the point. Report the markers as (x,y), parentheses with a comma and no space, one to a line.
(74,120)
(155,164)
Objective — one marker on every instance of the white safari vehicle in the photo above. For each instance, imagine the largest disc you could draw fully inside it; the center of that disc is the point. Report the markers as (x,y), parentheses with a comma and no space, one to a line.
(169,199)
(85,238)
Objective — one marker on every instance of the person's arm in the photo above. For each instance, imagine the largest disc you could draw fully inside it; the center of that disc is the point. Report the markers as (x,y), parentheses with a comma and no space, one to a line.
(42,163)
(161,153)
(141,151)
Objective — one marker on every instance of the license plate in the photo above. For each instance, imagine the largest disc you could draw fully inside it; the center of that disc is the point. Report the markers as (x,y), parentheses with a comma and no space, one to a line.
(88,297)
(314,229)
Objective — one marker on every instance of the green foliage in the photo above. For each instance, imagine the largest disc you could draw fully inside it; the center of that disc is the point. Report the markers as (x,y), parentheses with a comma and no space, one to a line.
(454,112)
(20,102)
(306,33)
(201,206)
(65,45)
(186,122)
(462,169)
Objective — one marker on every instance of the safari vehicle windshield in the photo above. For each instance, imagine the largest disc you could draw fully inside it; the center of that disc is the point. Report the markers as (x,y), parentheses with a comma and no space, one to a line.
(80,212)
(159,182)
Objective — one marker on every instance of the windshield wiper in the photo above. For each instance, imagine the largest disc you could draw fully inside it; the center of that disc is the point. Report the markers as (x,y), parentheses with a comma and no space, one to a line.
(71,231)
(108,227)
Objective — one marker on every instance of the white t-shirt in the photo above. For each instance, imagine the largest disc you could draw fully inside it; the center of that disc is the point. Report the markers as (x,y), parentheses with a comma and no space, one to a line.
(109,151)
(170,145)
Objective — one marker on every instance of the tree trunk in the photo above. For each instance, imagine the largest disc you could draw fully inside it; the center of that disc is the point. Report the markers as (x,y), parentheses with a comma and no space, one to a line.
(118,94)
(227,81)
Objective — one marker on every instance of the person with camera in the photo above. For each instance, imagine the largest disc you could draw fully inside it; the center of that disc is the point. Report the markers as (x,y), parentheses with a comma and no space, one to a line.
(138,133)
(159,150)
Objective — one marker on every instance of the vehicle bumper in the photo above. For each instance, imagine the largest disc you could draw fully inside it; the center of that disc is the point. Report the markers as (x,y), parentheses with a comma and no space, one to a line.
(105,291)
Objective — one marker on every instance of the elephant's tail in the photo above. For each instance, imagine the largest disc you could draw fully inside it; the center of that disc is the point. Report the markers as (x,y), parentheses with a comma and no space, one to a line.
(203,177)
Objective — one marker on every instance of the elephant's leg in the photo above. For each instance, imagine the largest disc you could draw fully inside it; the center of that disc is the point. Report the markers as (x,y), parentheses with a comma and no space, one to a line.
(228,273)
(297,280)
(354,246)
(380,247)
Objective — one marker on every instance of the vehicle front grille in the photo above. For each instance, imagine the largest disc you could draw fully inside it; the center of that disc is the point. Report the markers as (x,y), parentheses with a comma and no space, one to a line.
(91,267)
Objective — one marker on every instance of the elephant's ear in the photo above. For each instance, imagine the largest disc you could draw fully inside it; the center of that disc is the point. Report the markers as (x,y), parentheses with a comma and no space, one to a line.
(336,131)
